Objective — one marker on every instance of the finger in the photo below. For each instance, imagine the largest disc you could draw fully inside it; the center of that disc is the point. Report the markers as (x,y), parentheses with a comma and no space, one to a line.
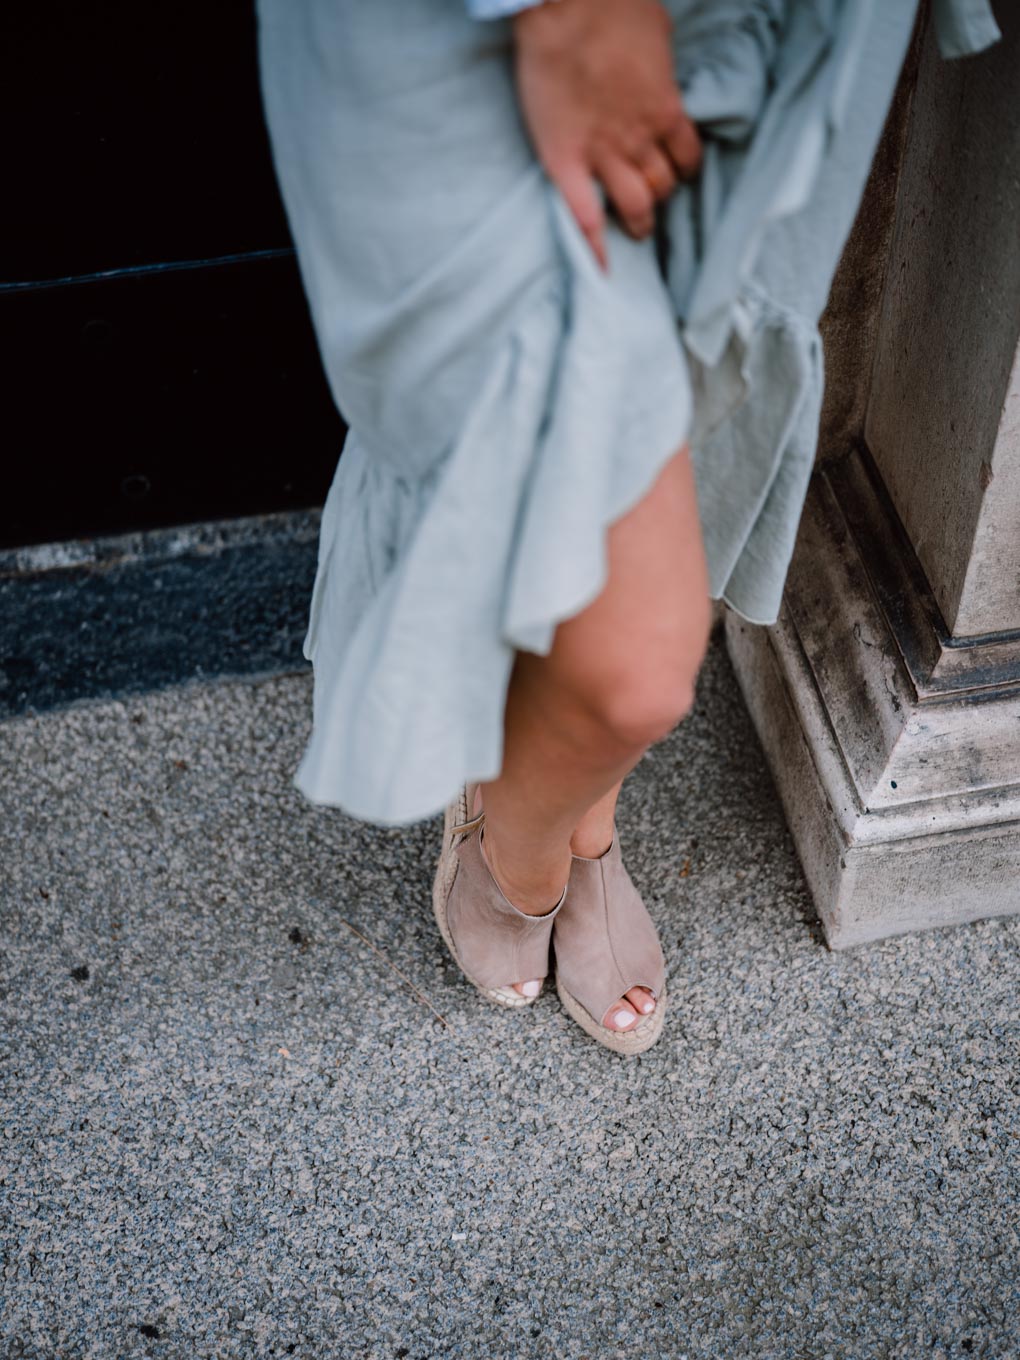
(574,181)
(683,146)
(630,194)
(658,171)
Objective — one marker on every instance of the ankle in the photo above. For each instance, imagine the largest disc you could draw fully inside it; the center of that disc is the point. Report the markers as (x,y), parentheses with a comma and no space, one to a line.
(534,898)
(591,844)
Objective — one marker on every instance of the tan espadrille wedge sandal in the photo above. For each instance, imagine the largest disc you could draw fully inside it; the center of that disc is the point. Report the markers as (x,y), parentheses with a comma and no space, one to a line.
(491,942)
(605,943)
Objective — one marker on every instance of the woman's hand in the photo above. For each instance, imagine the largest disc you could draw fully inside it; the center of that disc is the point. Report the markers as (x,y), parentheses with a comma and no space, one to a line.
(599,97)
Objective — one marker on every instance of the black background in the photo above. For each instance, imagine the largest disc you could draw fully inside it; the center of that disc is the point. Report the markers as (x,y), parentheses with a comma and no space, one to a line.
(183,382)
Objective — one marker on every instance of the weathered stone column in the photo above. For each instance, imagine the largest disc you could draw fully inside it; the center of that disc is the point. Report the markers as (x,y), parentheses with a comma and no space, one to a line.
(887,695)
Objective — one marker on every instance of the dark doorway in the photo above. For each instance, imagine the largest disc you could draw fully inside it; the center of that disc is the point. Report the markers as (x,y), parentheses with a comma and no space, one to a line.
(159,362)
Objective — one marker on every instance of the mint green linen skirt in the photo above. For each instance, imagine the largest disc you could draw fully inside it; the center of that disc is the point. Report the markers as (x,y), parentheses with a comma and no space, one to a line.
(506,400)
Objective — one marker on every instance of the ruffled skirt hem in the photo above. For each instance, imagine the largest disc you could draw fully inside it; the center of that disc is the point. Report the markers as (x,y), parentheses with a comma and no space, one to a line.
(430,586)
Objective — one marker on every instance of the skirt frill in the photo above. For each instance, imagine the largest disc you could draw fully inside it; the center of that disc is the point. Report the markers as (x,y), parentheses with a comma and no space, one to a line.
(427,586)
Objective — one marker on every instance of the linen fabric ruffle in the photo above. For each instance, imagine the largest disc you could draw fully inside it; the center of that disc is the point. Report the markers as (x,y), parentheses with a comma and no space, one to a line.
(506,400)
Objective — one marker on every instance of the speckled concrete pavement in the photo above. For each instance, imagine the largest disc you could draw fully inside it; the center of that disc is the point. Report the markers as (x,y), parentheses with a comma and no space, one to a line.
(230,1129)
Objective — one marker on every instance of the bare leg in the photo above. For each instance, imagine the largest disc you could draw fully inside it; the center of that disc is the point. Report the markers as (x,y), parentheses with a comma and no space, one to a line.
(618,678)
(595,829)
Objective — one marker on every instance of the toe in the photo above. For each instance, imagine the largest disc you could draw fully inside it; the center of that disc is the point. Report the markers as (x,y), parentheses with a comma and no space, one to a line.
(621,1016)
(642,1000)
(529,989)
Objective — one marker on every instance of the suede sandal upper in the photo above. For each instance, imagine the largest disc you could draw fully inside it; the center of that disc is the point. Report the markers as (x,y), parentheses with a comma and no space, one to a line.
(604,939)
(496,943)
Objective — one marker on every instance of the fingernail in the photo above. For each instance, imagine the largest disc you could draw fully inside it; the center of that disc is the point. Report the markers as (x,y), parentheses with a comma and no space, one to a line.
(624,1019)
(531,988)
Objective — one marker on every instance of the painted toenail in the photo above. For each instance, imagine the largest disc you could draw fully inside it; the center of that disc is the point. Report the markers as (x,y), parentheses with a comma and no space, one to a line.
(624,1019)
(648,1006)
(531,988)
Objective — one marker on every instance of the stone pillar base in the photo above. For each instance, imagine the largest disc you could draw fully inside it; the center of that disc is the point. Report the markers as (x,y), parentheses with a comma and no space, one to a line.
(895,746)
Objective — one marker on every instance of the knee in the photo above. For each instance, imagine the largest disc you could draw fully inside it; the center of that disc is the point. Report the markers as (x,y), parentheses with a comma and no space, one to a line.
(637,712)
(641,699)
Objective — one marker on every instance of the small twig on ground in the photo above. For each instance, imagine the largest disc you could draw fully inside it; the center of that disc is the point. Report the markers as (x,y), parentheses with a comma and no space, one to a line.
(417,991)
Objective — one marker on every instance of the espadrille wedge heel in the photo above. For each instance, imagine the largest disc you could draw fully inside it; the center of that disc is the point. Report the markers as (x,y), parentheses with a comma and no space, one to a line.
(605,943)
(491,941)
